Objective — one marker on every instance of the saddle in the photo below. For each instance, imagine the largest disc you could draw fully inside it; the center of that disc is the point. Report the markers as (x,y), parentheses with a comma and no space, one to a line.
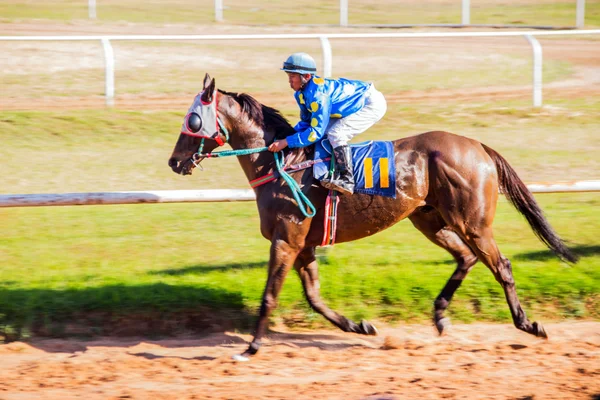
(374,169)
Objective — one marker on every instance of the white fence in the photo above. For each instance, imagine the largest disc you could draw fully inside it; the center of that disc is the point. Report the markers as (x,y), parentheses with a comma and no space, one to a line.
(325,47)
(344,9)
(152,196)
(465,16)
(215,195)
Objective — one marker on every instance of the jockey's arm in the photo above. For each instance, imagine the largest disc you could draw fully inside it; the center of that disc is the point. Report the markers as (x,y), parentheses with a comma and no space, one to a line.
(308,133)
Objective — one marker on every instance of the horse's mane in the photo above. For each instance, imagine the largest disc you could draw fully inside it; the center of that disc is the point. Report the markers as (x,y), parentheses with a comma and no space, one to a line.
(265,116)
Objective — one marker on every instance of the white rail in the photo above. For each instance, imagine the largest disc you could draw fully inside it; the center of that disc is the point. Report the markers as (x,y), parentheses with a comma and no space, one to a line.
(215,195)
(465,17)
(381,35)
(325,46)
(564,187)
(152,196)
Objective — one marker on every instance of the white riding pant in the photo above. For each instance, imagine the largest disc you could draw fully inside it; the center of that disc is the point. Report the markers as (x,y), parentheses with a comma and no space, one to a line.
(341,131)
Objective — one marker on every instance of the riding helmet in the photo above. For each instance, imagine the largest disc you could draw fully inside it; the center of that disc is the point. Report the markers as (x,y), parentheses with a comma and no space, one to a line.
(300,63)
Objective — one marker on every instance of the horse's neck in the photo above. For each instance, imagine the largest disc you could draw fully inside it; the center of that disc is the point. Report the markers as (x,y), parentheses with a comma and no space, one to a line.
(260,164)
(250,163)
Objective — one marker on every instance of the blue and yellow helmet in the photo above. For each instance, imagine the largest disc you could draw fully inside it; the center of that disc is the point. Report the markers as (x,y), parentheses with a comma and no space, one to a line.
(300,63)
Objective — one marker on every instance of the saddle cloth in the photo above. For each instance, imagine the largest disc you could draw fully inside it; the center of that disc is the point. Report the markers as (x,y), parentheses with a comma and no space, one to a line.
(374,169)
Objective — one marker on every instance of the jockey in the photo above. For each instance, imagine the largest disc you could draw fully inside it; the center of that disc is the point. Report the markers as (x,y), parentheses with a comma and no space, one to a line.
(339,108)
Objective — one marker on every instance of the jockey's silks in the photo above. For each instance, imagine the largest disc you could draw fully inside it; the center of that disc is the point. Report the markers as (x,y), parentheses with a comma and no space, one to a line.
(322,99)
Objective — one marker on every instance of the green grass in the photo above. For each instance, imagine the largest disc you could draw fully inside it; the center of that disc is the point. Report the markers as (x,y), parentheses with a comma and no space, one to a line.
(104,150)
(101,264)
(58,263)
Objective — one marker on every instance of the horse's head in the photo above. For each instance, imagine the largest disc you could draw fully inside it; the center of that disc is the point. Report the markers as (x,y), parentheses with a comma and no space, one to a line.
(216,117)
(201,125)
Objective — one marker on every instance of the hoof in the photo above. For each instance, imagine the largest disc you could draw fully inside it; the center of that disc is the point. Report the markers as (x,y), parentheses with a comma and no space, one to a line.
(539,330)
(442,325)
(245,356)
(367,328)
(240,358)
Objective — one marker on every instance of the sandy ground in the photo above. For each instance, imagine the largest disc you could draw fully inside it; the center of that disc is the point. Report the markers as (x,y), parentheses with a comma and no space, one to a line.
(479,361)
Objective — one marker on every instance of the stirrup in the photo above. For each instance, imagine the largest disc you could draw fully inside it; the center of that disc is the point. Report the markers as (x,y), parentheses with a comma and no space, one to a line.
(337,186)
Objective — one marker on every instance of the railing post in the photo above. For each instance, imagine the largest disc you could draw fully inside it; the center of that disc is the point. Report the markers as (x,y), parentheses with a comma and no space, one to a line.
(92,9)
(580,19)
(326,50)
(537,70)
(218,10)
(343,12)
(109,72)
(466,12)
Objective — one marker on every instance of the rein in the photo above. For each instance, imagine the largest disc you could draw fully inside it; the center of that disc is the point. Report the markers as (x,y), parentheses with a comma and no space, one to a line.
(301,199)
(270,177)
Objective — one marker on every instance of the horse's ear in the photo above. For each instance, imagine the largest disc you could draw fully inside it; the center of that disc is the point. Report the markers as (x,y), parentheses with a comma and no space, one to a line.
(207,95)
(206,81)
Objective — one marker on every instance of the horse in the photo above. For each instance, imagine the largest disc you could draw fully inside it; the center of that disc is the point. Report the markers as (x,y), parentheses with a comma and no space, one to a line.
(447,185)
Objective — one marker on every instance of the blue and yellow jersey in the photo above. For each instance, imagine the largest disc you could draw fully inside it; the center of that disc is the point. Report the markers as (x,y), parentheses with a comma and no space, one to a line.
(322,99)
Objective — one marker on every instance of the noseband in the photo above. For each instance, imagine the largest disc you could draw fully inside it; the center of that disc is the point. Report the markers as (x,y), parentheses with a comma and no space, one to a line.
(198,156)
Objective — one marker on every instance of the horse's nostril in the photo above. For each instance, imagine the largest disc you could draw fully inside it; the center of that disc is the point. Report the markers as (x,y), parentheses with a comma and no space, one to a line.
(172,162)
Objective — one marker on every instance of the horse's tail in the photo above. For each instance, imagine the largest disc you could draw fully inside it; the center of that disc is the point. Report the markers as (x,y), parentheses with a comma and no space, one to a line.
(517,193)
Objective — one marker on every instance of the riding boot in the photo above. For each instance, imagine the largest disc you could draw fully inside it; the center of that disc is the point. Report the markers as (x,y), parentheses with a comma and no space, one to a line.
(343,176)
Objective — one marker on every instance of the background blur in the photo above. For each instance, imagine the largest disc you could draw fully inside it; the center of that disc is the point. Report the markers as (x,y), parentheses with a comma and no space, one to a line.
(96,262)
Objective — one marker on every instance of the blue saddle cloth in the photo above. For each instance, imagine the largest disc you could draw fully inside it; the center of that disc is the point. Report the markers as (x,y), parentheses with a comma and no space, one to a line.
(374,169)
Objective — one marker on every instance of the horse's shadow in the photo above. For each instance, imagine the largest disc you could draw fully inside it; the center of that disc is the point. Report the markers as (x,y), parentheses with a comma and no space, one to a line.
(545,255)
(150,356)
(74,346)
(205,268)
(291,340)
(541,255)
(327,342)
(230,343)
(154,310)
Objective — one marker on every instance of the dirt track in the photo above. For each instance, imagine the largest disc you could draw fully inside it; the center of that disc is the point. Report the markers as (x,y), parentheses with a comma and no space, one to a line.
(406,362)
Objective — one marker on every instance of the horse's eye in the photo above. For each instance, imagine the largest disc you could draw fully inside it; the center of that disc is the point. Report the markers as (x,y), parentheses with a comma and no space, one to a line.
(194,122)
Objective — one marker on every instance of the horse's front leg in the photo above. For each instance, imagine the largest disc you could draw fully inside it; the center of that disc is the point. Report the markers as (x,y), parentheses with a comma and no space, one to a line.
(281,260)
(308,270)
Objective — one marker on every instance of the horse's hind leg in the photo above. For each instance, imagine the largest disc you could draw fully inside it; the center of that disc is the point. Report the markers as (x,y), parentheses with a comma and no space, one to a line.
(432,225)
(466,192)
(486,247)
(308,270)
(476,231)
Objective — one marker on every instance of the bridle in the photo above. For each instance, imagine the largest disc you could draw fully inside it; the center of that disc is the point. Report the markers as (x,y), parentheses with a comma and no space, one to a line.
(198,156)
(221,135)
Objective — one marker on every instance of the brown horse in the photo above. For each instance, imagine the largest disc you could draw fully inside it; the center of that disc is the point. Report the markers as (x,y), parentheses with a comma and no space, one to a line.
(446,185)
